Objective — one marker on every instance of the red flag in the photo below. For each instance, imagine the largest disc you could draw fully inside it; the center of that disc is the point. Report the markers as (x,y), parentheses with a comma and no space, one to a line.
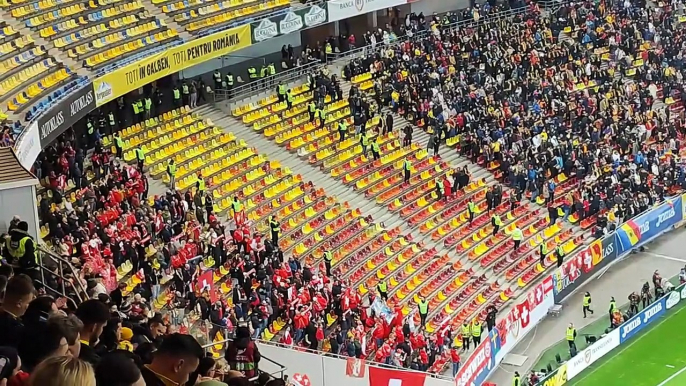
(355,367)
(524,313)
(205,281)
(387,377)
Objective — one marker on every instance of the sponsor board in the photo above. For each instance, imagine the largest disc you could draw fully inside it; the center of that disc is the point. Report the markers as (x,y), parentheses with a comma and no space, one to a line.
(62,116)
(632,326)
(292,21)
(137,74)
(29,146)
(558,377)
(673,299)
(480,364)
(649,225)
(343,9)
(591,354)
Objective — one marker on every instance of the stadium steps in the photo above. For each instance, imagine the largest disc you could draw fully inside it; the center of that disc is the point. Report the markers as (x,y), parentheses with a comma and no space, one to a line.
(157,12)
(221,117)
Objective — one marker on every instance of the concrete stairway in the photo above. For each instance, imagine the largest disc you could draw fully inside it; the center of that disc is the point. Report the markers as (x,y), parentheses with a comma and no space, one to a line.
(158,13)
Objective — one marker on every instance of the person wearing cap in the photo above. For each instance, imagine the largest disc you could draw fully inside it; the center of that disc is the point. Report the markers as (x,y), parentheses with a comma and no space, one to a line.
(20,250)
(242,354)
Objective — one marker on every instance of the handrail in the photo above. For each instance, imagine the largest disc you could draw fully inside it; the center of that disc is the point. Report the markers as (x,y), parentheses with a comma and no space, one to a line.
(366,50)
(61,262)
(247,90)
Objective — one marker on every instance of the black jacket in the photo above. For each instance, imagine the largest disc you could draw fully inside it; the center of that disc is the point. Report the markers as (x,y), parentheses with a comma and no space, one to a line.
(89,355)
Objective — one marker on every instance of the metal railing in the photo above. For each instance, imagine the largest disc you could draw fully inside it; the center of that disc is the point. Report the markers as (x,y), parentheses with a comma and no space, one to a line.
(278,373)
(52,265)
(248,90)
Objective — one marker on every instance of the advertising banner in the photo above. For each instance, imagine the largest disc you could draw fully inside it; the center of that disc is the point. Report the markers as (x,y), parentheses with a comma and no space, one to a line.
(343,9)
(582,266)
(293,21)
(645,227)
(482,361)
(556,378)
(66,113)
(136,75)
(591,354)
(632,326)
(29,146)
(379,376)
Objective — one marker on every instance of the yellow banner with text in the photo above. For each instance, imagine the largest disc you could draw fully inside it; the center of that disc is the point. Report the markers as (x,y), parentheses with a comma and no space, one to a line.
(135,75)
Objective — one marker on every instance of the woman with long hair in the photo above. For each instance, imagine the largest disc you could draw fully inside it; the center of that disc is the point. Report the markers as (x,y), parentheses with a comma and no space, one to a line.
(63,371)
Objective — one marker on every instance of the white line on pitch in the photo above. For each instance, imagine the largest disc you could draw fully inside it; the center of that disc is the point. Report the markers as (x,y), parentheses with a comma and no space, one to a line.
(665,256)
(670,366)
(672,377)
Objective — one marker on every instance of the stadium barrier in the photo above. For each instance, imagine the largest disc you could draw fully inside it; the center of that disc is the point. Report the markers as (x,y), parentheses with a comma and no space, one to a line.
(615,338)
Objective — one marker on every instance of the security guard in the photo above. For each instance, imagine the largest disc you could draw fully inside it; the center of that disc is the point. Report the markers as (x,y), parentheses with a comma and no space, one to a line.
(440,189)
(20,249)
(281,92)
(238,214)
(112,122)
(613,307)
(517,380)
(140,157)
(560,252)
(543,252)
(423,306)
(328,49)
(328,260)
(136,112)
(275,228)
(342,129)
(200,185)
(171,172)
(312,109)
(272,69)
(407,166)
(322,117)
(148,107)
(119,145)
(177,96)
(570,336)
(289,99)
(217,80)
(471,208)
(264,73)
(186,93)
(229,83)
(466,336)
(476,332)
(517,237)
(376,149)
(587,304)
(141,111)
(496,222)
(252,75)
(364,142)
(382,287)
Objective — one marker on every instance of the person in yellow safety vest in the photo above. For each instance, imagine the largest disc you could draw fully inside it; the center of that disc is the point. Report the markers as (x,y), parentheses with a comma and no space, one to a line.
(613,307)
(238,214)
(517,380)
(466,335)
(264,71)
(543,252)
(376,149)
(140,157)
(587,304)
(476,332)
(177,96)
(342,130)
(440,189)
(496,222)
(186,93)
(272,69)
(112,121)
(229,81)
(407,166)
(200,185)
(423,307)
(517,237)
(364,142)
(471,209)
(328,49)
(275,228)
(312,109)
(217,80)
(136,113)
(570,336)
(281,92)
(560,253)
(322,117)
(20,250)
(119,145)
(171,172)
(289,99)
(252,73)
(382,287)
(328,260)
(148,107)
